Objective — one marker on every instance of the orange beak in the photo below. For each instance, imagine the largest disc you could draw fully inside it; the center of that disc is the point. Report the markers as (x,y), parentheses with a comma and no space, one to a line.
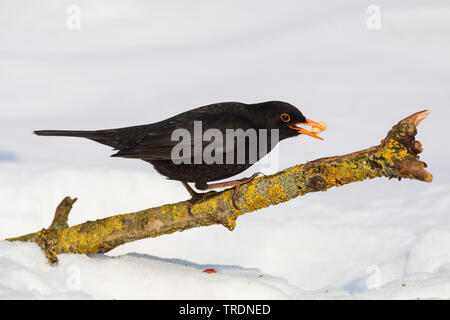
(317,127)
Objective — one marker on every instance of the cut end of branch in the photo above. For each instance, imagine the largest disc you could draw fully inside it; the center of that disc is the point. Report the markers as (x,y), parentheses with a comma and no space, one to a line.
(414,170)
(411,167)
(414,120)
(419,116)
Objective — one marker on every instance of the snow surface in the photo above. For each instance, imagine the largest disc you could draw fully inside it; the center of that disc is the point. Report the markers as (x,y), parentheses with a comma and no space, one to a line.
(138,62)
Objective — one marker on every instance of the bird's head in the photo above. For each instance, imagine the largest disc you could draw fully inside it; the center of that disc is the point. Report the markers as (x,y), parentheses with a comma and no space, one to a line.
(287,118)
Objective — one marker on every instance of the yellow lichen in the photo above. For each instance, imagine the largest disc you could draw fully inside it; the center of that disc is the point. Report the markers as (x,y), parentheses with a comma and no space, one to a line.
(274,179)
(392,152)
(208,205)
(277,194)
(231,222)
(254,200)
(91,239)
(178,211)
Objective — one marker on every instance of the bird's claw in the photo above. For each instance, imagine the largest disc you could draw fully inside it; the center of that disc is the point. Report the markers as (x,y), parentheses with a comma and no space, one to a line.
(241,182)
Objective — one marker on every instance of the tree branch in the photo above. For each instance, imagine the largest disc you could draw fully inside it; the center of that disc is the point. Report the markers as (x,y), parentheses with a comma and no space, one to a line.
(395,157)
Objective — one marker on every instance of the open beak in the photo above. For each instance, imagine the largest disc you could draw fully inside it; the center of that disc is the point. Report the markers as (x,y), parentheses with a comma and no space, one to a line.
(317,127)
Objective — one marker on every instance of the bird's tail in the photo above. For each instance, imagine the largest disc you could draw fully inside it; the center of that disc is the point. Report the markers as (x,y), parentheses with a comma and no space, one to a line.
(100,136)
(66,133)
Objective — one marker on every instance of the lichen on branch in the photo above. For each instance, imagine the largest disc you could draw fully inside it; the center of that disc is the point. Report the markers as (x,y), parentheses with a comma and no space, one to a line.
(395,157)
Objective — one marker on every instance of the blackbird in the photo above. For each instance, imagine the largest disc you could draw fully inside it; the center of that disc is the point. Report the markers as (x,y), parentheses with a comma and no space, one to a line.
(155,143)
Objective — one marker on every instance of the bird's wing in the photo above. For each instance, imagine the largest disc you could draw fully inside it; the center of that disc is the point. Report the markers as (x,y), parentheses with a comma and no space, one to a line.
(159,142)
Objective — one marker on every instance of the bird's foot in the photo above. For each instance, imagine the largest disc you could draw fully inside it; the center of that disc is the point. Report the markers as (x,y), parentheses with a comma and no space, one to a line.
(237,186)
(234,183)
(191,203)
(204,186)
(194,197)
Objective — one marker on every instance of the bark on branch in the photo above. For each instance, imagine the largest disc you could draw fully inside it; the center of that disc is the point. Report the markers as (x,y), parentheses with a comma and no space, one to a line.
(395,157)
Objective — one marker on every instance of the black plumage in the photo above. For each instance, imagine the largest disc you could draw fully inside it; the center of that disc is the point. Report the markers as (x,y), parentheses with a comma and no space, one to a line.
(153,142)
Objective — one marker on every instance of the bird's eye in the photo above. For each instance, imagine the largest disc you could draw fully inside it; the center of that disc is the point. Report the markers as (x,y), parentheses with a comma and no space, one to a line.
(285,117)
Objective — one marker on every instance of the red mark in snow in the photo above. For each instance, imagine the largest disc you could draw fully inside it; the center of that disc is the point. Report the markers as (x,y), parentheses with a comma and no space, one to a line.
(209,270)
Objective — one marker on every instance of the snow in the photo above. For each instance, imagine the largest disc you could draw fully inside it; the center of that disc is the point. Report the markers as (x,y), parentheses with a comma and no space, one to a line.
(139,62)
(25,273)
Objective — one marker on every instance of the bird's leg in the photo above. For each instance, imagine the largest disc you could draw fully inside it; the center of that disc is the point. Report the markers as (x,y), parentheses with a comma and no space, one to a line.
(194,196)
(234,183)
(190,190)
(204,186)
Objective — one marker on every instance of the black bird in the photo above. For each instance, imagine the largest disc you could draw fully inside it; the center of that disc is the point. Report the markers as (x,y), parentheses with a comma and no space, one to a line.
(155,143)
